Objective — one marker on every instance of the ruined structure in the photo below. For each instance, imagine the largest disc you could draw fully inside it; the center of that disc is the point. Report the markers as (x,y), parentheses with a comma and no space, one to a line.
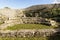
(8,15)
(30,33)
(15,16)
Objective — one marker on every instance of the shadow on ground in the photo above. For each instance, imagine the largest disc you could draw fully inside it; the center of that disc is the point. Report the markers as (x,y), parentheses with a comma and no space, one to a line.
(55,36)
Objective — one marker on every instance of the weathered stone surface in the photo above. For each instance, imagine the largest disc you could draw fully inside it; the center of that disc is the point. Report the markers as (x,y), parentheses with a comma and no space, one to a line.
(28,33)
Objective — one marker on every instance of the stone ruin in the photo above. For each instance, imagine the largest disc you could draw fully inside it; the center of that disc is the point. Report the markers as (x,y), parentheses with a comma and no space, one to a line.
(16,16)
(29,33)
(8,15)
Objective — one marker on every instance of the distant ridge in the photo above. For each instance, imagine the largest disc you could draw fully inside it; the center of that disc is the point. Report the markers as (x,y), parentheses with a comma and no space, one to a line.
(46,6)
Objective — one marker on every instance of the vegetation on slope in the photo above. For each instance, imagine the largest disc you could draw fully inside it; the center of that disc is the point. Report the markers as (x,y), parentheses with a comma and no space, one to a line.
(44,11)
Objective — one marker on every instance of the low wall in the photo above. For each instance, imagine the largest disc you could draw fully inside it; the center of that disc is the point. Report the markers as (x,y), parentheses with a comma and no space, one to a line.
(28,33)
(33,20)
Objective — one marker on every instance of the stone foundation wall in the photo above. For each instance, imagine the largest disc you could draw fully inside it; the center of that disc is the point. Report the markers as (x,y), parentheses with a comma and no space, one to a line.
(33,20)
(28,33)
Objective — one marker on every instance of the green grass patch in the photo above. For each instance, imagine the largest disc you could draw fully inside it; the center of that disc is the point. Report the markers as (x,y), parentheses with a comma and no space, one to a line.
(34,38)
(28,26)
(1,23)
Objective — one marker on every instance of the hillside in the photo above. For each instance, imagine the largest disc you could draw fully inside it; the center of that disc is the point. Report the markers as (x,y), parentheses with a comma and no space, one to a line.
(47,14)
(45,6)
(46,11)
(37,22)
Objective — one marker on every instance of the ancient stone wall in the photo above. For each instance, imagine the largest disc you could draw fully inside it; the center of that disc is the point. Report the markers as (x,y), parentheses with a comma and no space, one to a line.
(28,33)
(18,16)
(33,20)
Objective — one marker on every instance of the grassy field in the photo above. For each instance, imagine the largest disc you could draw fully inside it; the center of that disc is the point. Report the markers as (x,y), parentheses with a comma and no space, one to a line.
(34,38)
(29,26)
